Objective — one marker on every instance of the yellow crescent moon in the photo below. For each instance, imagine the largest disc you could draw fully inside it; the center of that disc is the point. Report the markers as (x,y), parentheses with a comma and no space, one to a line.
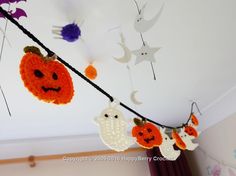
(134,99)
(127,54)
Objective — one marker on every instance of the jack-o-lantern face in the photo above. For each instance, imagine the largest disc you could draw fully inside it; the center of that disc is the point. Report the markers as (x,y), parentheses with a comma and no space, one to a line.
(47,80)
(191,131)
(147,135)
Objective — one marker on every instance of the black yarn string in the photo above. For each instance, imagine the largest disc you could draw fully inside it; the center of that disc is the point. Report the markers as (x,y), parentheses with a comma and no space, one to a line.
(50,53)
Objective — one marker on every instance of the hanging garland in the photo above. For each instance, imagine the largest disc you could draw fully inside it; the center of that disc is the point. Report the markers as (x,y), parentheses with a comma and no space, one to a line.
(113,125)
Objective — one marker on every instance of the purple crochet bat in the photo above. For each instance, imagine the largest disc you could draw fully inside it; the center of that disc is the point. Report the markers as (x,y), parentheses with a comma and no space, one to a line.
(18,12)
(9,1)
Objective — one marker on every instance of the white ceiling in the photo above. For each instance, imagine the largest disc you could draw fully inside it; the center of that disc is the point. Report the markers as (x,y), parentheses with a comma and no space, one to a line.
(196,62)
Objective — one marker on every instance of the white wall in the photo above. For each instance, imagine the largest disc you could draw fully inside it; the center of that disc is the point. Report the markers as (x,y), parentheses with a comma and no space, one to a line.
(218,142)
(81,168)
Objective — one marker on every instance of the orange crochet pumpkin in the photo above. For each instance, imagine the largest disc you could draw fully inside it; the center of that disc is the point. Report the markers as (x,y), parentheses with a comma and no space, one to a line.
(91,72)
(190,131)
(178,141)
(46,79)
(147,135)
(194,120)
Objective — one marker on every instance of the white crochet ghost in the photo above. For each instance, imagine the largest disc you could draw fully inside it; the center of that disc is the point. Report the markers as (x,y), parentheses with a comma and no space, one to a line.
(188,140)
(113,129)
(166,148)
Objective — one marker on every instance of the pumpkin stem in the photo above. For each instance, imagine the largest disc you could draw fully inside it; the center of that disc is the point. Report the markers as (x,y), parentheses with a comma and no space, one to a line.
(139,122)
(50,58)
(33,49)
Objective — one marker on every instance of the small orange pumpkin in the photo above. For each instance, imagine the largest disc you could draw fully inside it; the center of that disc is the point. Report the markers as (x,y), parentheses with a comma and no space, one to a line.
(190,131)
(178,141)
(47,79)
(194,120)
(90,72)
(147,134)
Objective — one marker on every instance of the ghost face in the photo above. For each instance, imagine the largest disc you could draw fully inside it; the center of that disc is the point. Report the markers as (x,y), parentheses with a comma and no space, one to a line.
(113,129)
(188,140)
(142,25)
(111,116)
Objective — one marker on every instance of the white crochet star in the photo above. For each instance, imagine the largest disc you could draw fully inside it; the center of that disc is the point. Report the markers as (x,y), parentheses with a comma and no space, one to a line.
(145,53)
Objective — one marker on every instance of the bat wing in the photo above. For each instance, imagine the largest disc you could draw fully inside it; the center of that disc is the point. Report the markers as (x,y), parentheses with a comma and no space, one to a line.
(4,2)
(11,1)
(18,13)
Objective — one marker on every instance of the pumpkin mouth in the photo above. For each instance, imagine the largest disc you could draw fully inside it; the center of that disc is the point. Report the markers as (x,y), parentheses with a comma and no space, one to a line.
(147,140)
(46,89)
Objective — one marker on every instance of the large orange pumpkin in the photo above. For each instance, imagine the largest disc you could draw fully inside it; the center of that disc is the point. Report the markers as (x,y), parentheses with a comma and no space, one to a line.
(178,141)
(47,79)
(190,131)
(147,134)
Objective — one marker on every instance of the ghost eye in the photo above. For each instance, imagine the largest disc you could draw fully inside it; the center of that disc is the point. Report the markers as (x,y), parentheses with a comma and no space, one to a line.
(140,133)
(142,53)
(149,130)
(116,116)
(38,73)
(145,53)
(54,76)
(165,138)
(106,115)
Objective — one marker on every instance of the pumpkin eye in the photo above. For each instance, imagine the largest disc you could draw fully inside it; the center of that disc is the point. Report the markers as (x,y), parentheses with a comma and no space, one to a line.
(106,115)
(116,116)
(140,133)
(54,76)
(149,130)
(38,73)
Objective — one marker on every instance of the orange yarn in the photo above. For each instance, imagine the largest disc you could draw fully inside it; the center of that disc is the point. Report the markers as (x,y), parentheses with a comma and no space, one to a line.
(47,80)
(91,72)
(194,120)
(178,140)
(147,134)
(191,131)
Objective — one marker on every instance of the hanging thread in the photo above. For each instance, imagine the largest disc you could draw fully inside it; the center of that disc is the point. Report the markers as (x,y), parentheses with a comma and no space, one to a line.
(141,35)
(5,100)
(1,52)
